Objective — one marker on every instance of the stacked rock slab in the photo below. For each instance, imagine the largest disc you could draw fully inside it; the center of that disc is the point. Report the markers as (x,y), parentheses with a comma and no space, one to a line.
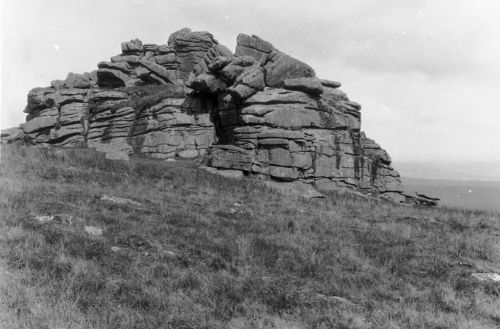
(259,111)
(103,109)
(276,120)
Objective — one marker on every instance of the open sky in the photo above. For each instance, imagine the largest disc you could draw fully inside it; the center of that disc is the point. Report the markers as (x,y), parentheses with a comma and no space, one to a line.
(425,71)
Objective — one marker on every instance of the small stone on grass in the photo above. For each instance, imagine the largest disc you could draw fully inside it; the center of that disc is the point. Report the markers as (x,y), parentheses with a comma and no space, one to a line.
(44,219)
(121,201)
(93,230)
(492,277)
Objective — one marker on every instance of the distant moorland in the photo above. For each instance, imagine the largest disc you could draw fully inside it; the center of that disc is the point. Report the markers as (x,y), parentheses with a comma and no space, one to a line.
(481,195)
(470,171)
(468,185)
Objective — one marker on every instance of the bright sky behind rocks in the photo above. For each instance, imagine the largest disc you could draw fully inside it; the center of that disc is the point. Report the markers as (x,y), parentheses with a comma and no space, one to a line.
(425,72)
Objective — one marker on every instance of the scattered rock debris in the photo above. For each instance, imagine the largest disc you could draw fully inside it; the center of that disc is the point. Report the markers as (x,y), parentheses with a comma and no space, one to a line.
(44,219)
(337,299)
(121,201)
(235,208)
(428,219)
(208,169)
(421,200)
(93,230)
(295,188)
(58,218)
(490,277)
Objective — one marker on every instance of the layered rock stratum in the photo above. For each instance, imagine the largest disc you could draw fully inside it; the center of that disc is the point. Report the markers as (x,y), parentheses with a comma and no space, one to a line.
(257,112)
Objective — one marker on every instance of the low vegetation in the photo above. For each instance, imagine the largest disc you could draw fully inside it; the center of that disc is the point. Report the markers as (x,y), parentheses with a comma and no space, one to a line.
(202,251)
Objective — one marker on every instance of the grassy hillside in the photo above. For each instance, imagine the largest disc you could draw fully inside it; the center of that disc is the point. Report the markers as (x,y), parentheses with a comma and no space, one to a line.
(202,251)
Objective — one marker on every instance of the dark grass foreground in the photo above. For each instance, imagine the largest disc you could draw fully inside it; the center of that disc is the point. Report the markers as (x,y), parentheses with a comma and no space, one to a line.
(209,252)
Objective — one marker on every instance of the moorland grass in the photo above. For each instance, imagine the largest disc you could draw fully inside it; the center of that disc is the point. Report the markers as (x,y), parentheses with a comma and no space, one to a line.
(210,252)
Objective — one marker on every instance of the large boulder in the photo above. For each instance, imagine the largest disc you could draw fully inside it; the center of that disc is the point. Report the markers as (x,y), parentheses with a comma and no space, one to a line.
(310,86)
(279,66)
(133,47)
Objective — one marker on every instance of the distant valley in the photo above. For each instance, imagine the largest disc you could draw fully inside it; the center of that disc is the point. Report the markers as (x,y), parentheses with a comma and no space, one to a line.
(475,195)
(473,185)
(461,171)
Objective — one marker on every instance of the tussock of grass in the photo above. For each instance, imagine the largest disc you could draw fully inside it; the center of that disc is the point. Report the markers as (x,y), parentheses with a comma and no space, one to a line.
(210,252)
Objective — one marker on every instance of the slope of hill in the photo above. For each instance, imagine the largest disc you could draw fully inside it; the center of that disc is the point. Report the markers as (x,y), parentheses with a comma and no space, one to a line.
(182,248)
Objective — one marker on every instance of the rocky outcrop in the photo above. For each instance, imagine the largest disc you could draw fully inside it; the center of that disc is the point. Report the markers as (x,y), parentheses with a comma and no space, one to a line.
(277,120)
(422,200)
(12,135)
(136,103)
(256,113)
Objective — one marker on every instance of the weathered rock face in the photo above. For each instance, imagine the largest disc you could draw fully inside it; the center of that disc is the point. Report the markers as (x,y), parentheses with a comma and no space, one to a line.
(258,111)
(278,121)
(136,103)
